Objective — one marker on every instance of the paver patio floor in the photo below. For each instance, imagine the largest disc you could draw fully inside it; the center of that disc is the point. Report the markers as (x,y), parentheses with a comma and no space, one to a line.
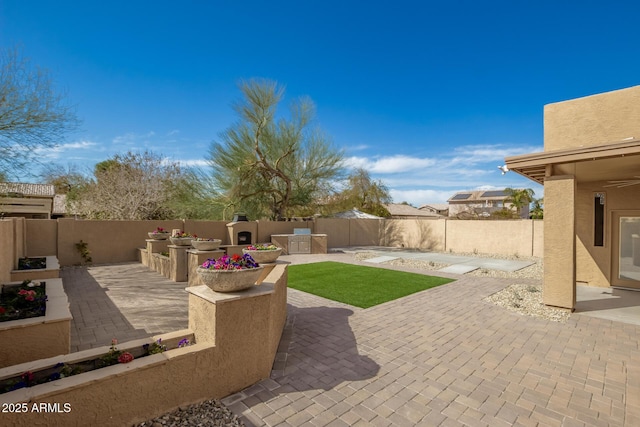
(443,357)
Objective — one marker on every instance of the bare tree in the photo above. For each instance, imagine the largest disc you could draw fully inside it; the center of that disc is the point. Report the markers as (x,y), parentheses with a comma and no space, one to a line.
(32,115)
(132,186)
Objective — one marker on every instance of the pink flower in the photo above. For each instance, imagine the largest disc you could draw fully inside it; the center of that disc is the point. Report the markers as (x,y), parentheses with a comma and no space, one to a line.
(27,376)
(125,357)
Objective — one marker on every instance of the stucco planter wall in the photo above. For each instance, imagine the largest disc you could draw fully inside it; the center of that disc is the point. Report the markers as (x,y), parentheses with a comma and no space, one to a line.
(143,256)
(38,337)
(160,263)
(51,271)
(236,341)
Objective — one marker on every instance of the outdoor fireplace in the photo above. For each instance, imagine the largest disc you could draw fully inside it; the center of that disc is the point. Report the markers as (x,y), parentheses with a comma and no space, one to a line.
(242,232)
(244,238)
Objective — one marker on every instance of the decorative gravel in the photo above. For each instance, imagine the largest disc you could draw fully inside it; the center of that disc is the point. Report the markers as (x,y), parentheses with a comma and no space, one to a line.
(534,271)
(527,300)
(205,414)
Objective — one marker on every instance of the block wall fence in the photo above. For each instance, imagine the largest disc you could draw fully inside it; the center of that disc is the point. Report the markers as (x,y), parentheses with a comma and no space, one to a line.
(118,241)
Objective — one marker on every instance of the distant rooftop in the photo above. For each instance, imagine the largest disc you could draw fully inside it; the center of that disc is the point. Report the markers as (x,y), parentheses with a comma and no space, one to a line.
(479,195)
(398,209)
(20,189)
(435,206)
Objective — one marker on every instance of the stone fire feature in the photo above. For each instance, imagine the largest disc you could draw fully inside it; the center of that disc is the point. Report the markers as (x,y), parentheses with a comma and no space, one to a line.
(233,228)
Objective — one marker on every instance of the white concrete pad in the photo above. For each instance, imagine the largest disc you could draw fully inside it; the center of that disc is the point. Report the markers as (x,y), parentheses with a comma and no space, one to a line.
(615,304)
(458,269)
(381,259)
(499,264)
(442,258)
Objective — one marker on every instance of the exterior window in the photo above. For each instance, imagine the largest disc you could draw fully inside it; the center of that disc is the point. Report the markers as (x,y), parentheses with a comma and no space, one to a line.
(598,219)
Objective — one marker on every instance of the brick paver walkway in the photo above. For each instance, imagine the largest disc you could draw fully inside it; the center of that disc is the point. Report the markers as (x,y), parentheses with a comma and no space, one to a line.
(440,357)
(122,301)
(445,357)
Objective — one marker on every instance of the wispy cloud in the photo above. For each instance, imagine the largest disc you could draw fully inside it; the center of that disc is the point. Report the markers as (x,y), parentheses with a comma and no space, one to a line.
(67,149)
(359,147)
(193,163)
(390,164)
(130,138)
(411,196)
(473,154)
(419,179)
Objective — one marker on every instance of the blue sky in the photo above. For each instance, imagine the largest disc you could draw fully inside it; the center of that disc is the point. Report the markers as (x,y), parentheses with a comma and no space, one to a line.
(428,96)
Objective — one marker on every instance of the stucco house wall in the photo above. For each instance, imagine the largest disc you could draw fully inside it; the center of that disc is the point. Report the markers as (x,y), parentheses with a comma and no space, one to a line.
(591,146)
(592,120)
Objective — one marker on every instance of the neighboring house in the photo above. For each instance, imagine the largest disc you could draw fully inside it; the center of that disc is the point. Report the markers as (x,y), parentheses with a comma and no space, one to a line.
(26,200)
(590,169)
(436,208)
(402,211)
(481,203)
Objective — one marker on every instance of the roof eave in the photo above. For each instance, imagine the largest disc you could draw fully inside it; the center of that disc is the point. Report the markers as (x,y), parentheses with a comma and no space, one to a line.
(533,165)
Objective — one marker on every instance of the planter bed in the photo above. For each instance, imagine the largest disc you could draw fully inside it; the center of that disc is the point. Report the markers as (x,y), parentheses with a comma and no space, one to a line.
(121,394)
(15,306)
(38,337)
(50,271)
(46,371)
(35,263)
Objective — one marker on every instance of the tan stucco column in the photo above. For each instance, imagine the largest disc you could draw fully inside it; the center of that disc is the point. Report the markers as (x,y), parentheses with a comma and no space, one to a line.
(560,241)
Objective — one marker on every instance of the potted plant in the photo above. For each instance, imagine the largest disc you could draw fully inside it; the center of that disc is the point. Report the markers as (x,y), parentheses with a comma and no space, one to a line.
(230,273)
(159,234)
(181,238)
(263,252)
(203,244)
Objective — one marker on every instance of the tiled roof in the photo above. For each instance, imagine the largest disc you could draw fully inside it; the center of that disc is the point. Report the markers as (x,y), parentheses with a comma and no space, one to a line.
(28,190)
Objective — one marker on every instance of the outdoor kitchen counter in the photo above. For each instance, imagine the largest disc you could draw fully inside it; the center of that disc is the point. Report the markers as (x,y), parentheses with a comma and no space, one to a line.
(301,243)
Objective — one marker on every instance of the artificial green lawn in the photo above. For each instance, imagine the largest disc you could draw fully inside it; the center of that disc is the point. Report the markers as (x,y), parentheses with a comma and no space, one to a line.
(356,285)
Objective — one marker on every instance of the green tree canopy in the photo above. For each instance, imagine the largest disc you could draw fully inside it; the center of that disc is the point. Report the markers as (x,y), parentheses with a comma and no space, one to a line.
(363,193)
(269,166)
(519,198)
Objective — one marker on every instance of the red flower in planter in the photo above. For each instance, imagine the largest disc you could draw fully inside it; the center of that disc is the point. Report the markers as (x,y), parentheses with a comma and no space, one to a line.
(27,376)
(125,357)
(2,310)
(28,295)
